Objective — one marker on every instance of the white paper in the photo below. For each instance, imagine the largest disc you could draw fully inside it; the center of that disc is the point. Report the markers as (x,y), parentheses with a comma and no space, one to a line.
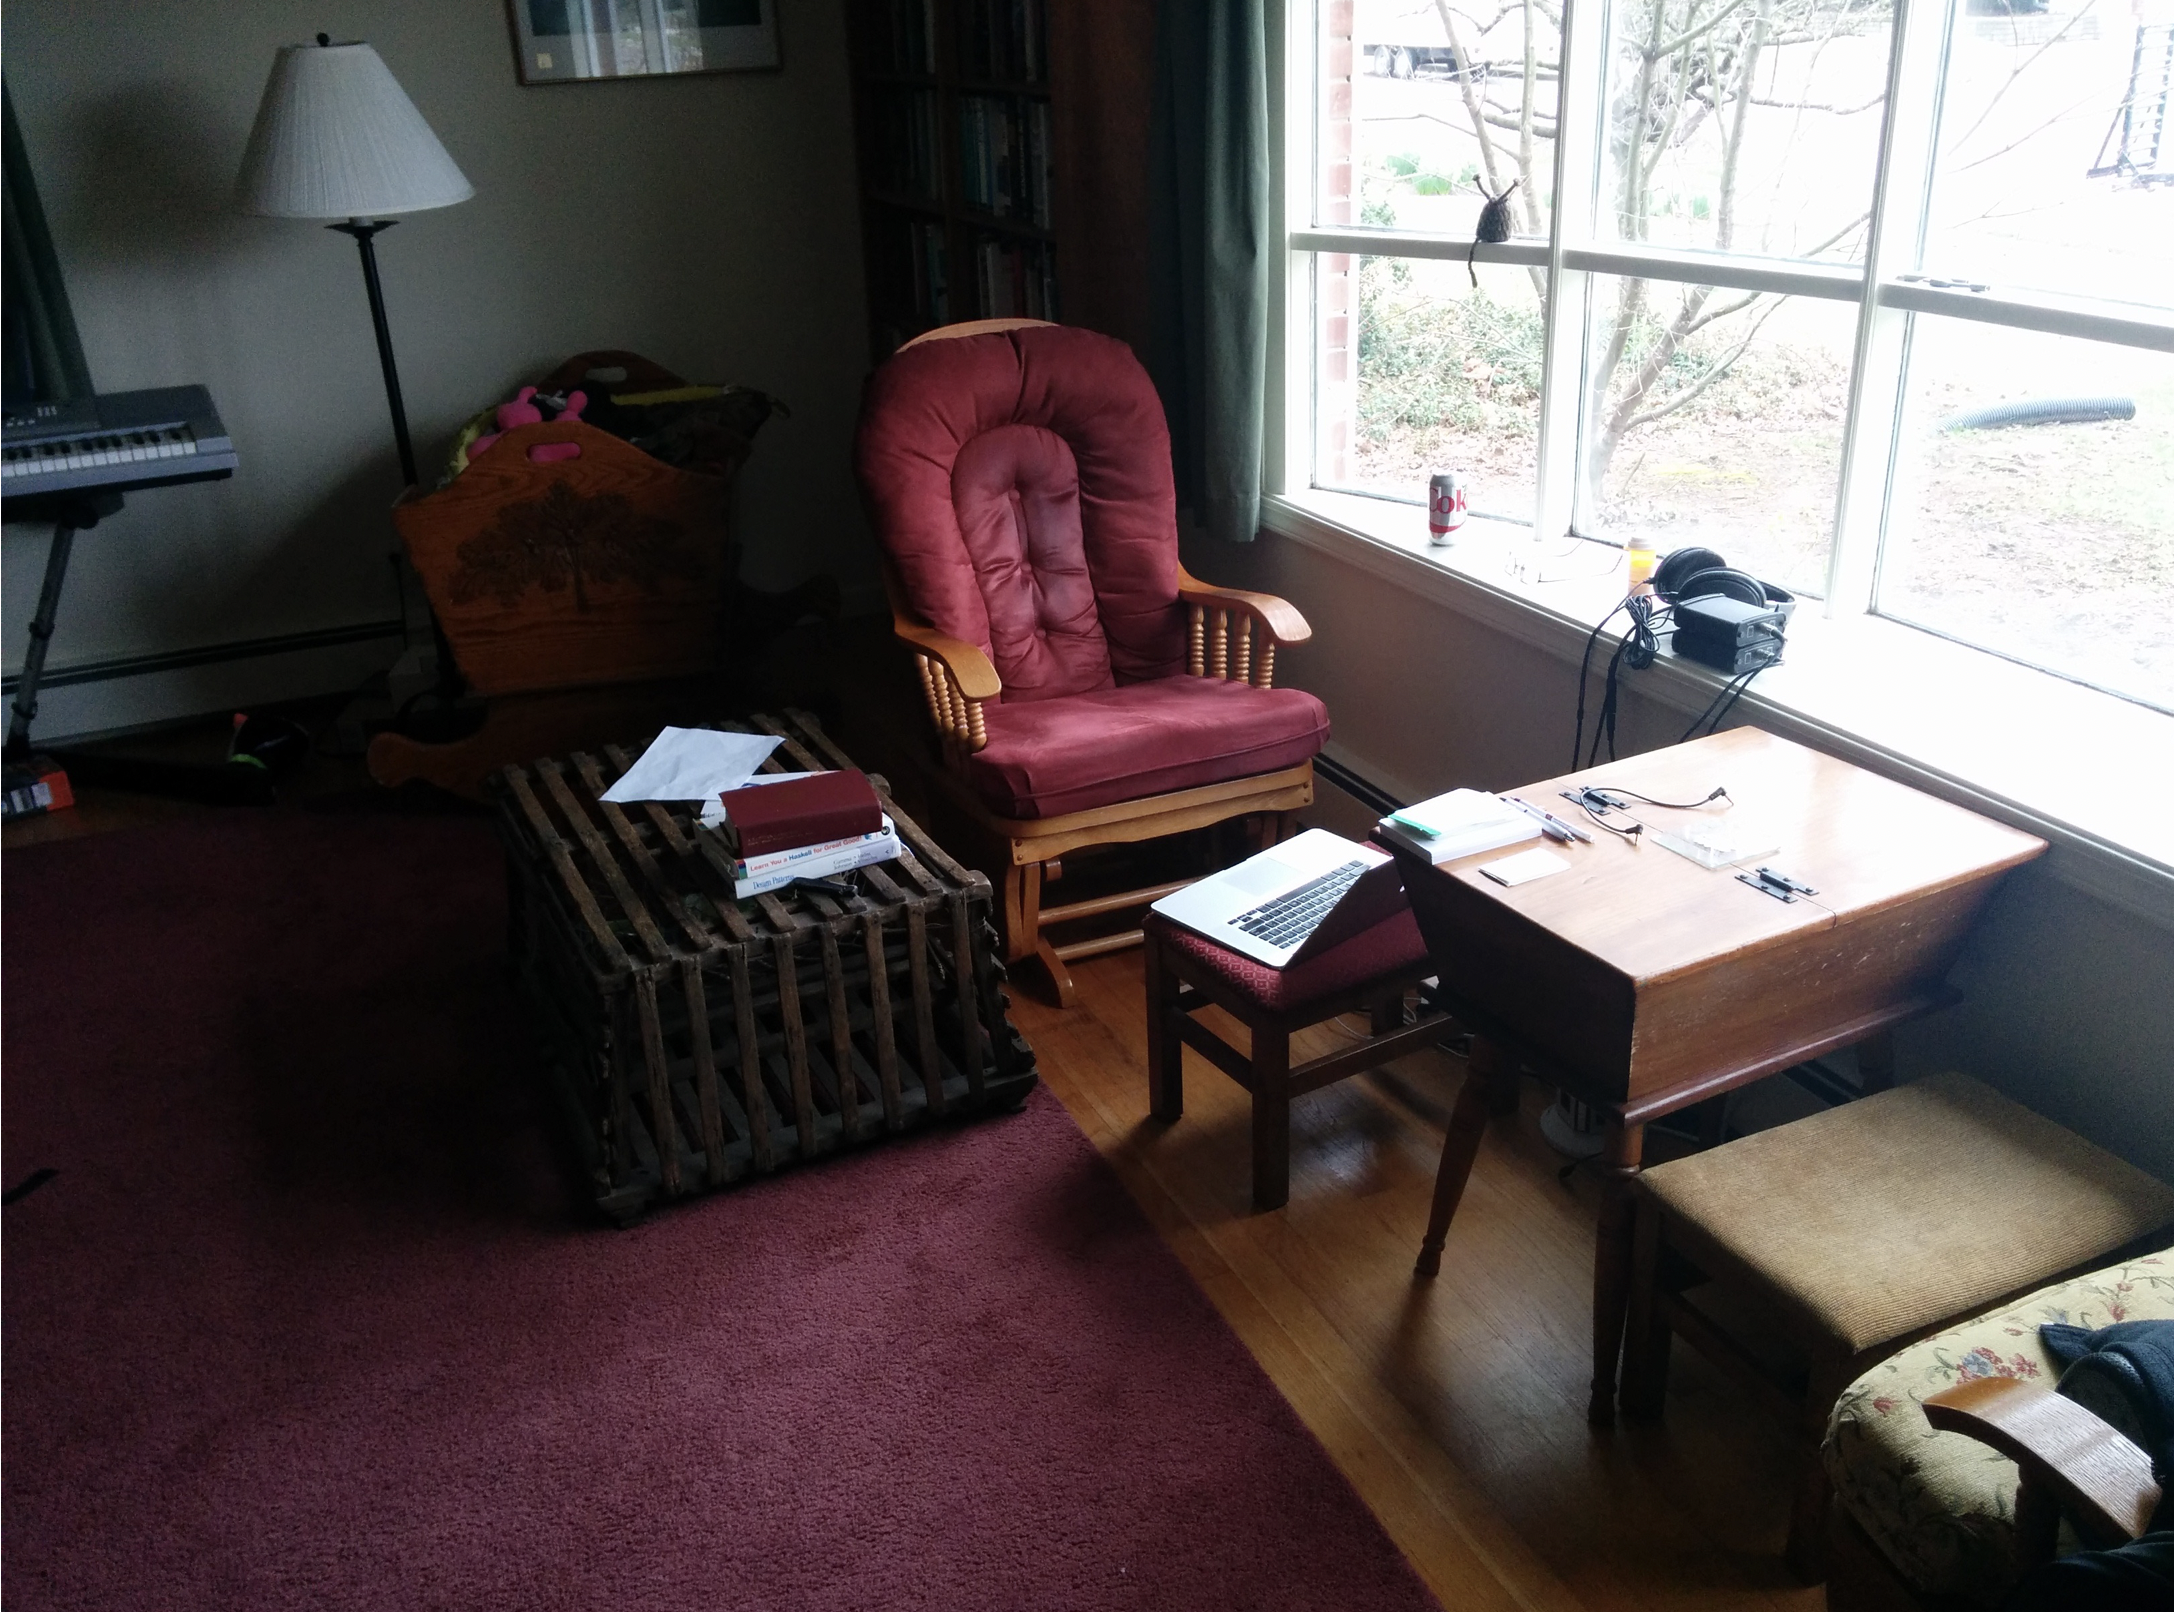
(693,764)
(1524,867)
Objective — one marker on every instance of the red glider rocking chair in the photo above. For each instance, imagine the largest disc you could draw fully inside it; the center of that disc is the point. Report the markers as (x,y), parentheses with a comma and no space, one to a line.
(1086,691)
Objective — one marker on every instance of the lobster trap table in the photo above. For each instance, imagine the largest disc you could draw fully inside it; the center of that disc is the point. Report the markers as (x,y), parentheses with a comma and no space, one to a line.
(696,1040)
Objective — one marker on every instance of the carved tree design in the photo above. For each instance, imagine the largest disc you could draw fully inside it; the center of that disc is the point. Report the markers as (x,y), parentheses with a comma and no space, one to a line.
(567,539)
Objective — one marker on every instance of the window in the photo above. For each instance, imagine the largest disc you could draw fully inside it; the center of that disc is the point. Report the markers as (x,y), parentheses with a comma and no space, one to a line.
(1871,295)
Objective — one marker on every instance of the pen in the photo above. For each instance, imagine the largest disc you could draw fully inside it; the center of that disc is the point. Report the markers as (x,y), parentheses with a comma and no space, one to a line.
(1554,827)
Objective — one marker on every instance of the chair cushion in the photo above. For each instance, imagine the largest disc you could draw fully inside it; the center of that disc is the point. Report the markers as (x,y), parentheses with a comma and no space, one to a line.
(1391,947)
(1879,1219)
(1050,757)
(1940,1506)
(1020,484)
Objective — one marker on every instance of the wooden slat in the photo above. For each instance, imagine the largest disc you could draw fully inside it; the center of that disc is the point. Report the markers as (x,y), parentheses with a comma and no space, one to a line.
(593,842)
(758,1111)
(705,1067)
(796,1041)
(807,760)
(562,863)
(698,934)
(924,1016)
(691,859)
(879,1008)
(962,959)
(841,1034)
(661,1120)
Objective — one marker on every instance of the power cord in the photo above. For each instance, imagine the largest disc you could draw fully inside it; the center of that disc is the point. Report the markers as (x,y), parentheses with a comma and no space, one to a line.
(1638,648)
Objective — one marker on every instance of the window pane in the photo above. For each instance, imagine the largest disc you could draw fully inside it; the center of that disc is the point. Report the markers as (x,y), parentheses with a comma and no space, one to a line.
(1744,127)
(1715,417)
(1440,376)
(1424,106)
(2051,542)
(2032,104)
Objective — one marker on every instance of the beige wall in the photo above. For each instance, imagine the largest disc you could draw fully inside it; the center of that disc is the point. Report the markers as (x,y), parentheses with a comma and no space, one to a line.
(709,222)
(2069,1002)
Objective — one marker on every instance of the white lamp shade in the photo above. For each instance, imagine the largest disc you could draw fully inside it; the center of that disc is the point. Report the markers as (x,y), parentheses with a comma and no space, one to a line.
(337,137)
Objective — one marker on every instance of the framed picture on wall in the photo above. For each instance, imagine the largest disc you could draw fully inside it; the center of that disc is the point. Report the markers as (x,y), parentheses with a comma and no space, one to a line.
(572,41)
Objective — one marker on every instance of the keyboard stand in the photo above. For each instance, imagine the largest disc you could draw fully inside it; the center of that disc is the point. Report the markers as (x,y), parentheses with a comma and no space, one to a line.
(70,513)
(220,783)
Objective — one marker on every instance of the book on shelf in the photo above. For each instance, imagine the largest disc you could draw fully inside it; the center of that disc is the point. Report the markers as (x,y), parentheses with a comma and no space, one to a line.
(1015,279)
(866,852)
(1005,39)
(1460,823)
(1005,162)
(910,160)
(913,36)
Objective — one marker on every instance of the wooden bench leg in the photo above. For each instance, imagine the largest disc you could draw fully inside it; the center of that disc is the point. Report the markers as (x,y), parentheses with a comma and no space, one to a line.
(1467,1124)
(1165,1051)
(1807,1550)
(1271,1118)
(1646,1334)
(1612,1263)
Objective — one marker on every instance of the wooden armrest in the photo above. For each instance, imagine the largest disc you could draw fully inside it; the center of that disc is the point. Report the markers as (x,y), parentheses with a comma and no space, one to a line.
(2103,1483)
(968,666)
(1285,625)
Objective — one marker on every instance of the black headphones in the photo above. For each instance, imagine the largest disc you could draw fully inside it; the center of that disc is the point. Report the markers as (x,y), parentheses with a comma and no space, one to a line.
(1700,573)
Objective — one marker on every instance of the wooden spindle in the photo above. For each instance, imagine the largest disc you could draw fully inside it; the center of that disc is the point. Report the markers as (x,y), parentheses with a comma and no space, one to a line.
(1267,677)
(1196,661)
(977,729)
(1220,657)
(928,688)
(1244,670)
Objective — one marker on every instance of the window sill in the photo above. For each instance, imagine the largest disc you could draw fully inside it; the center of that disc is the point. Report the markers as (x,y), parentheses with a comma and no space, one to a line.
(2092,774)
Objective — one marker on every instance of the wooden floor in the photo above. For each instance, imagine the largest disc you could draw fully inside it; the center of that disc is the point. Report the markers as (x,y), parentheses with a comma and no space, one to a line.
(1456,1407)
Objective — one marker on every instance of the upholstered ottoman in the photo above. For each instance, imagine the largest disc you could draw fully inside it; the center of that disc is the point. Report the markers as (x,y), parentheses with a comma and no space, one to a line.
(1936,1510)
(1862,1229)
(1368,973)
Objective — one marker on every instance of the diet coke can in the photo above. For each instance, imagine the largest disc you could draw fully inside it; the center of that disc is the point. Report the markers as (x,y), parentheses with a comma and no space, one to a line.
(1445,507)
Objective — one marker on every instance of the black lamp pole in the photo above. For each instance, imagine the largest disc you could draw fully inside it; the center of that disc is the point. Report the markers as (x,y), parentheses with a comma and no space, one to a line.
(364,231)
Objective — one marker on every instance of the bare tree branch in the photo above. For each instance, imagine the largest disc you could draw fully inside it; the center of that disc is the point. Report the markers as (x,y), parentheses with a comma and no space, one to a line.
(1720,368)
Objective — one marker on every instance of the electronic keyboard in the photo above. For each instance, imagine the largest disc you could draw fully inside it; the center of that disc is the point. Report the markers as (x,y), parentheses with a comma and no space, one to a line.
(120,441)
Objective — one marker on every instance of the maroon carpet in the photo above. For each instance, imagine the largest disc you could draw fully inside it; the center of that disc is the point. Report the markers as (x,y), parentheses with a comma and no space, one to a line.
(306,1319)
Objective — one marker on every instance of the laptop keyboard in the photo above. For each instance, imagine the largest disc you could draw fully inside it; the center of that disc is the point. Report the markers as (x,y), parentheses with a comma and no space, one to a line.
(1295,914)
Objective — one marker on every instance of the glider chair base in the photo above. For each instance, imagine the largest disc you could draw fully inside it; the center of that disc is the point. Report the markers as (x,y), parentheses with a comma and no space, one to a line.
(1033,848)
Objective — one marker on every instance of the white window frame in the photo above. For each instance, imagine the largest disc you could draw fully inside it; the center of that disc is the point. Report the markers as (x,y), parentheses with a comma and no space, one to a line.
(1822,697)
(1884,288)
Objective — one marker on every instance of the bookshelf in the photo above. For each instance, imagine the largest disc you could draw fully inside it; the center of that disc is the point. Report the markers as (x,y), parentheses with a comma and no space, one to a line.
(967,114)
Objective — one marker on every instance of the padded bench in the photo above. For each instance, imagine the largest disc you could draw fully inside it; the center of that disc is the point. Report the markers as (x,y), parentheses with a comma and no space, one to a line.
(1862,1229)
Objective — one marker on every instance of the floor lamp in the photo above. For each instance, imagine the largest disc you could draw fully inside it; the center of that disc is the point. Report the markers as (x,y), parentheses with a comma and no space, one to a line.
(336,137)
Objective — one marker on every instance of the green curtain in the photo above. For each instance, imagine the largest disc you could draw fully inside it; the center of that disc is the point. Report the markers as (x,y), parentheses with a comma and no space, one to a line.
(43,356)
(1209,252)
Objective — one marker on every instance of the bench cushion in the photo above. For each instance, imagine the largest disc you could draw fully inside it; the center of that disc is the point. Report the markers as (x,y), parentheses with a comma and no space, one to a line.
(1391,947)
(1940,1506)
(1881,1219)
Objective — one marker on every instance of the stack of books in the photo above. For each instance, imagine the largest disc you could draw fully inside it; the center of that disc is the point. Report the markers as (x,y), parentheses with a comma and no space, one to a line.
(784,827)
(1460,823)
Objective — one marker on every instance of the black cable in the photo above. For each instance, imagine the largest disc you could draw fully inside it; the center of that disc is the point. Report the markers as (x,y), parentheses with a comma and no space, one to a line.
(1719,793)
(1729,691)
(1585,665)
(1733,698)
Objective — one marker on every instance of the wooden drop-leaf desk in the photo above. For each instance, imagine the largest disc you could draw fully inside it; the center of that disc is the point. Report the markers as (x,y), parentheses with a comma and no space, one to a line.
(1643,983)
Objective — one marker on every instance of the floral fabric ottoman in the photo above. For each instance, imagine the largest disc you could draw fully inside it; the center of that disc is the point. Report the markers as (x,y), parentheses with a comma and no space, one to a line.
(1942,1506)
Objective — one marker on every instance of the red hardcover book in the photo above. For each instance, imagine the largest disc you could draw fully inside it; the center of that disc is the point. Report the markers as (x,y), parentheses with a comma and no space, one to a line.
(763,818)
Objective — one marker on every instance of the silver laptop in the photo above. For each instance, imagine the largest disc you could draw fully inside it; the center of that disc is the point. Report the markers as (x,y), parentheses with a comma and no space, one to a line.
(1294,901)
